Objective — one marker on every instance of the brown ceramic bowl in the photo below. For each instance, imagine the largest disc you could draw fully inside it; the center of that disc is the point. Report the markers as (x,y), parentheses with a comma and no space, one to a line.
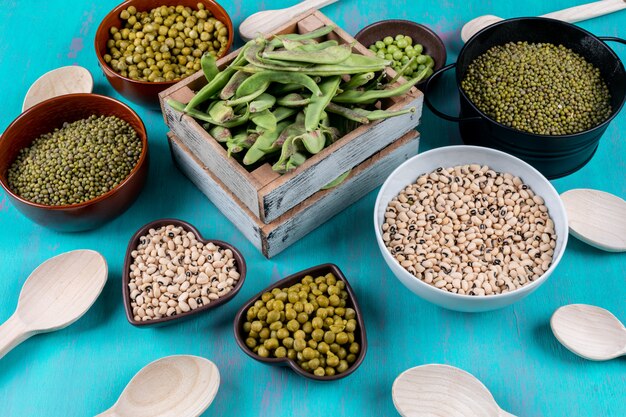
(49,115)
(132,244)
(315,271)
(433,45)
(143,92)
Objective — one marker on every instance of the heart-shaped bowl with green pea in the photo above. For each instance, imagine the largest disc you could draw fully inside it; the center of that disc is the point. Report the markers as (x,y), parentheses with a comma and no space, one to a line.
(313,325)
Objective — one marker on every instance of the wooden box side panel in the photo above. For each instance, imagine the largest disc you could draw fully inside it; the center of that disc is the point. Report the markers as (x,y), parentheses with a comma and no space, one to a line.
(275,237)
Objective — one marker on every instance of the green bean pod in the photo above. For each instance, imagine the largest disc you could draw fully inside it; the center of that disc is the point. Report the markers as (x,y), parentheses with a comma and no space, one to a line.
(349,114)
(277,42)
(220,133)
(233,84)
(217,83)
(209,68)
(307,46)
(358,80)
(357,97)
(290,147)
(382,114)
(264,119)
(313,141)
(330,55)
(282,113)
(293,100)
(260,82)
(237,143)
(263,102)
(263,144)
(337,180)
(313,113)
(221,112)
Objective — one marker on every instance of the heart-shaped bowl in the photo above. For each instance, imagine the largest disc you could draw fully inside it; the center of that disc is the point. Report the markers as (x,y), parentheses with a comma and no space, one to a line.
(351,302)
(132,245)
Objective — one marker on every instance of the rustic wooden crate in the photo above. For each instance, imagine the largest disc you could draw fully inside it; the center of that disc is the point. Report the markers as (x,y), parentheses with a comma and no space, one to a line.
(276,236)
(266,193)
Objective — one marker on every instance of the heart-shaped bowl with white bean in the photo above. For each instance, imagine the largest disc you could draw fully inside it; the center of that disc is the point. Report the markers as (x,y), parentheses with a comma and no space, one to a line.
(470,228)
(171,272)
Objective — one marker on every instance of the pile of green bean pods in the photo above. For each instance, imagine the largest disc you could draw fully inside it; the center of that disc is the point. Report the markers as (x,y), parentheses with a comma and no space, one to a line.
(279,99)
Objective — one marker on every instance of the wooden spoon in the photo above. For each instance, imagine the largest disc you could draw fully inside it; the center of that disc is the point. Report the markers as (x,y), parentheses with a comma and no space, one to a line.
(58,82)
(589,331)
(180,386)
(263,22)
(55,295)
(597,218)
(443,391)
(570,15)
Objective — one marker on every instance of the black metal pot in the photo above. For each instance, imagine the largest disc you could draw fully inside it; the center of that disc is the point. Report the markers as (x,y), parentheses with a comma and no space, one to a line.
(553,156)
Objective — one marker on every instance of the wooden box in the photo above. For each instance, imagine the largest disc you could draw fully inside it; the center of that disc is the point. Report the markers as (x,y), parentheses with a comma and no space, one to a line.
(267,194)
(274,237)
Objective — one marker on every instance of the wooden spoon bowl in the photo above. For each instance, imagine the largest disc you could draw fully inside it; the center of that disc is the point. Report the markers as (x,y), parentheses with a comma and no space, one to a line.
(590,332)
(44,118)
(128,260)
(179,385)
(56,294)
(443,391)
(315,271)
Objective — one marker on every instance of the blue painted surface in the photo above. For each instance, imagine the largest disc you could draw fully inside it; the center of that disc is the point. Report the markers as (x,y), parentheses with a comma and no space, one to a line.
(81,370)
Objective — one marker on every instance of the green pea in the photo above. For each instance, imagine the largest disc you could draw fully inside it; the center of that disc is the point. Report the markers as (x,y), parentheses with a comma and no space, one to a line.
(280,352)
(317,334)
(332,361)
(288,342)
(299,345)
(263,352)
(342,338)
(273,316)
(271,344)
(380,44)
(388,40)
(282,333)
(418,48)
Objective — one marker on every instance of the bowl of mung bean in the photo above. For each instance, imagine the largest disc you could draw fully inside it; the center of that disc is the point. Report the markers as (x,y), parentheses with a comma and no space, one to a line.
(406,43)
(309,321)
(74,162)
(146,46)
(171,273)
(470,228)
(537,88)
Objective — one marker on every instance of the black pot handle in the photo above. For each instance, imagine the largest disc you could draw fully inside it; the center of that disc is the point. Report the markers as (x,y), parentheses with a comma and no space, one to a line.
(432,108)
(612,39)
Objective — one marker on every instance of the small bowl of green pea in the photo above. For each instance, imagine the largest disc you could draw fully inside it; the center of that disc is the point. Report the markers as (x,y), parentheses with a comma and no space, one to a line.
(146,46)
(309,321)
(407,44)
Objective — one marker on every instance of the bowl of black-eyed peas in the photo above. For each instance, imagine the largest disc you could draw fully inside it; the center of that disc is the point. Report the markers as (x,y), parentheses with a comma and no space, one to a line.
(470,228)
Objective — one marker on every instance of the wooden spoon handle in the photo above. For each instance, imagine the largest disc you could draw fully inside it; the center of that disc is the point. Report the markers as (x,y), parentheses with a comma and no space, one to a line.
(588,11)
(505,414)
(12,333)
(307,5)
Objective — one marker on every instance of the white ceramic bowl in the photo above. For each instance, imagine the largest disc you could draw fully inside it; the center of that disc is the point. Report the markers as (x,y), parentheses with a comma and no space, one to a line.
(450,156)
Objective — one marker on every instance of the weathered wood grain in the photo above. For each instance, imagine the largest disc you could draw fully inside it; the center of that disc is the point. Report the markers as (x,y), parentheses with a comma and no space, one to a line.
(268,194)
(276,236)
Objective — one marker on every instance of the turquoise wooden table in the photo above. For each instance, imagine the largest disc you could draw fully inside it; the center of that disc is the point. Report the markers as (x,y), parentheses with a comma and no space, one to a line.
(81,370)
